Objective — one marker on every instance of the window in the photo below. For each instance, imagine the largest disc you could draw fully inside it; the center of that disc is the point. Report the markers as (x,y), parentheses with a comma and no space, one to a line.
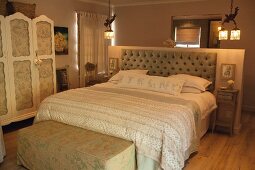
(187,37)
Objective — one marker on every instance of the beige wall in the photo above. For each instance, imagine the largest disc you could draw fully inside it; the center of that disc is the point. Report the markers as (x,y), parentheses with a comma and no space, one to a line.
(151,25)
(62,12)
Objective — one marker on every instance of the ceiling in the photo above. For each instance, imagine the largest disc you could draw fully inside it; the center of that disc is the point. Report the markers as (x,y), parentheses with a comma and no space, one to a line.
(136,2)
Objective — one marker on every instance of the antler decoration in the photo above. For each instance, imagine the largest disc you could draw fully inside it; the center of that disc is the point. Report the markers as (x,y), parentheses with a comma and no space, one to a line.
(110,18)
(231,16)
(109,21)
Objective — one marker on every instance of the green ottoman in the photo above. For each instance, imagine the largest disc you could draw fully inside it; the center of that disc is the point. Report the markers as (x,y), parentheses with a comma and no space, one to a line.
(51,145)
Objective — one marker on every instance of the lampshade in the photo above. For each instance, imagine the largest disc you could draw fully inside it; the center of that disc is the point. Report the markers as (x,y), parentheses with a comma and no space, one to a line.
(235,34)
(108,34)
(219,28)
(223,34)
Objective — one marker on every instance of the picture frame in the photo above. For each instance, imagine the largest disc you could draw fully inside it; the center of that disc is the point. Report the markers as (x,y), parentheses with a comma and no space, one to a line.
(61,40)
(228,71)
(113,63)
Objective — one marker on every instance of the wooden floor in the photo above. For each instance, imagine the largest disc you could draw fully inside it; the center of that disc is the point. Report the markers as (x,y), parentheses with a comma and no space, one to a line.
(217,151)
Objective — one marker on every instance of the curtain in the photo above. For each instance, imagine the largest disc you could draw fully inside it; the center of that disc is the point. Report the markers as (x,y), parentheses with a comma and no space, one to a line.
(92,45)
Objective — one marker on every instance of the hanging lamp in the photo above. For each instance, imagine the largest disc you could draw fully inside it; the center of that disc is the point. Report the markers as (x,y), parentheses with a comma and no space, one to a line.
(235,32)
(109,34)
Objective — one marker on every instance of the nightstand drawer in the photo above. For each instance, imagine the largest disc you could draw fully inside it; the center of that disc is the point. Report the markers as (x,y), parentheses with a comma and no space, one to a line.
(225,114)
(225,96)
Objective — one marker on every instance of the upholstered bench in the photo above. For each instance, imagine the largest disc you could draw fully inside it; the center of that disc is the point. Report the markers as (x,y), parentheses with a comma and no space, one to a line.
(57,146)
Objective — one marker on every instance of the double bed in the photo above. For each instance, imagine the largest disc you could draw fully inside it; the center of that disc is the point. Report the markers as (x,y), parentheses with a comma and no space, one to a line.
(165,128)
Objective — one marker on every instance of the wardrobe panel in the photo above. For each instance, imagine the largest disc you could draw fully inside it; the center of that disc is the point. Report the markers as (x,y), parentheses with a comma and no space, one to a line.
(1,39)
(44,38)
(23,84)
(46,78)
(20,37)
(3,98)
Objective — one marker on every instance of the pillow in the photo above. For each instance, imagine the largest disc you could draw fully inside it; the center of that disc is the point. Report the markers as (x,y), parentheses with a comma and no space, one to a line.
(190,90)
(193,81)
(167,85)
(117,77)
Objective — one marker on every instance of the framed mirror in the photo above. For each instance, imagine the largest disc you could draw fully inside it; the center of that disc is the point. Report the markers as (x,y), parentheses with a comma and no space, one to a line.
(196,31)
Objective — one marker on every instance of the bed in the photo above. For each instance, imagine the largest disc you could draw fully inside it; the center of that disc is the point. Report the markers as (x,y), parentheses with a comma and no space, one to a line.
(165,128)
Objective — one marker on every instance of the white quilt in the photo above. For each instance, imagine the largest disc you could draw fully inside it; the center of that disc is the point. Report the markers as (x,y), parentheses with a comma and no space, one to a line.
(163,128)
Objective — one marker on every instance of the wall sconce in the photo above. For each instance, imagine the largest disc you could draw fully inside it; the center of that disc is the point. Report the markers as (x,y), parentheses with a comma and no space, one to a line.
(235,33)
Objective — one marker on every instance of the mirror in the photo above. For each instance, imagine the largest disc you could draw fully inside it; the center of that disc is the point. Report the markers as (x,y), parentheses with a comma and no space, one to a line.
(196,31)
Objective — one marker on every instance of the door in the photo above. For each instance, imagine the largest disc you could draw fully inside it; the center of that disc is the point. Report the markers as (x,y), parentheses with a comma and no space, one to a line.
(21,66)
(43,38)
(5,105)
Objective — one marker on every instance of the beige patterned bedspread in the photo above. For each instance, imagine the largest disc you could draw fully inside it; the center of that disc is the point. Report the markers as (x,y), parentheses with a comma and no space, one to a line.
(162,128)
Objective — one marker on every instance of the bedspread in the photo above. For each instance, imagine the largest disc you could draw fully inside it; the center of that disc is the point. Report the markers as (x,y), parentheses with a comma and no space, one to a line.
(162,128)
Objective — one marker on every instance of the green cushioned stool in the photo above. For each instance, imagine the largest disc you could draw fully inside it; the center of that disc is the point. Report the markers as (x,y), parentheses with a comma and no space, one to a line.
(51,145)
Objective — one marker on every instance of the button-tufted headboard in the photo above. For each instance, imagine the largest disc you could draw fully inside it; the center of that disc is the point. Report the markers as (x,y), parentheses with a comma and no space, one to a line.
(165,63)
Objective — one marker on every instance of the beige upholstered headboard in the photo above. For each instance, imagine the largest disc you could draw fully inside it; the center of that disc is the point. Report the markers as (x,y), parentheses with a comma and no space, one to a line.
(165,63)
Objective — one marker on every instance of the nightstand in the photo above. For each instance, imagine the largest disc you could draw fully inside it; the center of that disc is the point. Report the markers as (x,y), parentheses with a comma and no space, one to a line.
(98,80)
(226,111)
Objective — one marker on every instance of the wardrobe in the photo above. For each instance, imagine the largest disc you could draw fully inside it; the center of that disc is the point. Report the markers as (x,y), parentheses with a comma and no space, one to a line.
(27,65)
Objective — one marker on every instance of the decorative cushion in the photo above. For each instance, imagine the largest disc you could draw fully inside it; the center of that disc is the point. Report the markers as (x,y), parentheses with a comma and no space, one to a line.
(167,85)
(193,81)
(24,8)
(3,7)
(117,77)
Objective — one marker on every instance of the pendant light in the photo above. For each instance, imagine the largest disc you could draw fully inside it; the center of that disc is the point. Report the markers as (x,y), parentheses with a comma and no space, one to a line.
(109,34)
(235,32)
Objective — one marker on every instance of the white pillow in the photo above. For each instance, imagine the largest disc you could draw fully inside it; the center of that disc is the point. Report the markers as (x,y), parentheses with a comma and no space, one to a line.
(167,85)
(117,77)
(193,81)
(190,90)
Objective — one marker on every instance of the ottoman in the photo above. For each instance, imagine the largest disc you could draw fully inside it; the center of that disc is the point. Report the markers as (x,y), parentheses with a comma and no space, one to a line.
(57,146)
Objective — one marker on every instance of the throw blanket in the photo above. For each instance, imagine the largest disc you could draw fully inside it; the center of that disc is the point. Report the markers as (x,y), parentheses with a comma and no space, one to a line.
(162,128)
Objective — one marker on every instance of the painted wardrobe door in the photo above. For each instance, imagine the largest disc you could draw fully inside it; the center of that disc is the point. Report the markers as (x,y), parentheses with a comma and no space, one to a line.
(5,107)
(43,38)
(21,65)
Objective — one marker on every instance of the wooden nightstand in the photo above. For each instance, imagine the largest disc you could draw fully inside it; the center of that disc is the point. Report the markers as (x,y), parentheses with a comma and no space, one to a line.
(97,81)
(226,111)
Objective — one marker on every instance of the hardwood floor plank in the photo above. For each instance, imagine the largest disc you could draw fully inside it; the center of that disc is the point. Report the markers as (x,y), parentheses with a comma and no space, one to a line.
(217,151)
